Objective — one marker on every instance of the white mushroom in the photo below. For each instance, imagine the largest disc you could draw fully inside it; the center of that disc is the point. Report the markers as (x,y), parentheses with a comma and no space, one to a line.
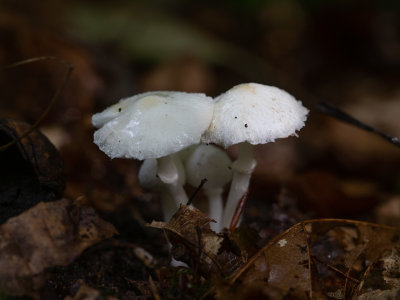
(168,193)
(153,125)
(250,114)
(210,162)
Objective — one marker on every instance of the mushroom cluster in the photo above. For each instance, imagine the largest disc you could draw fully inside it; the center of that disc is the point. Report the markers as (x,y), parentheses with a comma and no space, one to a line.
(171,131)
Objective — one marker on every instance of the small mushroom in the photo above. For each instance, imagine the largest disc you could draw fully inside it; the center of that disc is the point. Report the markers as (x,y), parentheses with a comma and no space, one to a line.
(250,114)
(210,162)
(168,193)
(154,125)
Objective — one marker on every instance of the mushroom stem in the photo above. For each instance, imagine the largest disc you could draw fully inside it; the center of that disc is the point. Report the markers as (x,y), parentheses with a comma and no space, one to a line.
(179,194)
(166,170)
(172,196)
(242,169)
(215,207)
(168,205)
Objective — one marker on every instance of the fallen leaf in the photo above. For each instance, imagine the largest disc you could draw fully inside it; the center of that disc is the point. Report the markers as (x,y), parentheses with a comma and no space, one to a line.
(47,235)
(319,258)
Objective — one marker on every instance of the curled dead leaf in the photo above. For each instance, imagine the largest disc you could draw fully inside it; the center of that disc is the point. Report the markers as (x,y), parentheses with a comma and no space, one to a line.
(195,243)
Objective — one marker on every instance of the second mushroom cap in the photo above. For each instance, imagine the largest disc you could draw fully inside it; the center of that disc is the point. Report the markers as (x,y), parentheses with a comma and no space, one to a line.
(256,114)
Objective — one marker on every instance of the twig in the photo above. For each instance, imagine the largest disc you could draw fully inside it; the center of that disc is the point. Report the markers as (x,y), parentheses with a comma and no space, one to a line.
(203,181)
(340,115)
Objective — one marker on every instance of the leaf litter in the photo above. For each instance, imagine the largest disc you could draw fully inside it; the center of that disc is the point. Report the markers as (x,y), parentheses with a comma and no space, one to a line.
(320,258)
(195,243)
(47,235)
(328,258)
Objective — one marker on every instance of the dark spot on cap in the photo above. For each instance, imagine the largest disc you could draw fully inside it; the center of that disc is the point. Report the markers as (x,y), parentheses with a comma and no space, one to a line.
(165,103)
(235,117)
(119,109)
(245,125)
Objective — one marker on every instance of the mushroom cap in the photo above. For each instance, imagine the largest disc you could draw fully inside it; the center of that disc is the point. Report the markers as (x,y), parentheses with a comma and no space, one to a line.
(152,124)
(256,114)
(210,162)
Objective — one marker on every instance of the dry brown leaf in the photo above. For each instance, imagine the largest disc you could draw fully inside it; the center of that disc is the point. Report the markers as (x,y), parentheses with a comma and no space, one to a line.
(49,234)
(319,258)
(196,244)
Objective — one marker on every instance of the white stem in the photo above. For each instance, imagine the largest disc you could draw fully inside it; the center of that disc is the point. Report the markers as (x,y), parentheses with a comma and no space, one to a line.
(169,174)
(168,205)
(242,169)
(166,170)
(215,207)
(178,193)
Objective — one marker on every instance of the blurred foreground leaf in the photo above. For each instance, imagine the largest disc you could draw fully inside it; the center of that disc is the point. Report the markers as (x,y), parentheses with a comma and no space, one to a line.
(48,235)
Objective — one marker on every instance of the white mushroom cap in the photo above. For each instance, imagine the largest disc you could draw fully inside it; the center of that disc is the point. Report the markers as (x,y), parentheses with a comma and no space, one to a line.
(153,124)
(256,114)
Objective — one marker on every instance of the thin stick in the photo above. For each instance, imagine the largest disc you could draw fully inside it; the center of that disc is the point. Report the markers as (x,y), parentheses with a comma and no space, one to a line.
(203,181)
(238,213)
(52,101)
(340,115)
